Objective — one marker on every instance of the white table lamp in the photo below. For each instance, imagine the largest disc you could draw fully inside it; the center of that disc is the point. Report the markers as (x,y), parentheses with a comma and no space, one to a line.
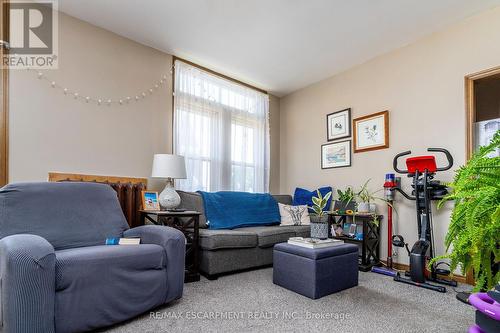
(169,167)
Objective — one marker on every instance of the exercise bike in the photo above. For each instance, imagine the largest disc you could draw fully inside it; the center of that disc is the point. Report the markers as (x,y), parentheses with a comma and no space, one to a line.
(422,170)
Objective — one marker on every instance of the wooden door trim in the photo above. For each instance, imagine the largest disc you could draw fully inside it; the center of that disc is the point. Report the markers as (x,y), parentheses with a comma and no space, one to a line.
(4,96)
(470,111)
(470,118)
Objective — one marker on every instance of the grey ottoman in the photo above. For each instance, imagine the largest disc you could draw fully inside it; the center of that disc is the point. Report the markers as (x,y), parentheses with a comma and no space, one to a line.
(315,272)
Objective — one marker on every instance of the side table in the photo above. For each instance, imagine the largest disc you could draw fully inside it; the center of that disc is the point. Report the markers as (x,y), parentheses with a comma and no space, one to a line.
(188,223)
(369,245)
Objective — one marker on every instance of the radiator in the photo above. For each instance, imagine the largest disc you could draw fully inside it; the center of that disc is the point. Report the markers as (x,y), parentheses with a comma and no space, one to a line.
(129,191)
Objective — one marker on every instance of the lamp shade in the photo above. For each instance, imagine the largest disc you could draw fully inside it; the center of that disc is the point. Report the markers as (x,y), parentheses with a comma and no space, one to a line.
(168,166)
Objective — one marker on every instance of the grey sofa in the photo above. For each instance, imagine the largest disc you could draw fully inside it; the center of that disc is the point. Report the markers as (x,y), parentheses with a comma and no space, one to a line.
(224,251)
(56,273)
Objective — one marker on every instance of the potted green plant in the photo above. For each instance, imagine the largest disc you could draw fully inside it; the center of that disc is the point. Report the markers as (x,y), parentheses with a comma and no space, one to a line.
(319,219)
(474,231)
(366,203)
(367,199)
(346,200)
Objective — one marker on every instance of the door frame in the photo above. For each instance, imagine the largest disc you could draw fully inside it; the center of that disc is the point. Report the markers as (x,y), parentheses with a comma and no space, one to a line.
(4,96)
(470,118)
(470,111)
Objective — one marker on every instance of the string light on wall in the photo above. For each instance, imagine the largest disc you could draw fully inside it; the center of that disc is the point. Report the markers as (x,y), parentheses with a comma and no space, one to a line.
(99,101)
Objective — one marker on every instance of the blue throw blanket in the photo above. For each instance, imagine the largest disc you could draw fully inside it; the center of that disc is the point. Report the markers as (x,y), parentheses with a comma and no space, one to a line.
(229,210)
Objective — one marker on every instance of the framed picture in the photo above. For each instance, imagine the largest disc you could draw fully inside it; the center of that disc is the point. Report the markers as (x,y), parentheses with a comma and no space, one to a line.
(336,155)
(338,125)
(150,200)
(371,132)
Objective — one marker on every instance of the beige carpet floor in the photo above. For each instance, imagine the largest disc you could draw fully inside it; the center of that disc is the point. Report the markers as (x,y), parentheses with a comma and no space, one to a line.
(250,302)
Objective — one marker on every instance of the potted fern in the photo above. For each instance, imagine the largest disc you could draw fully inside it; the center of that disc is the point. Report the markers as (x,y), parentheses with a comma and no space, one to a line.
(319,220)
(473,237)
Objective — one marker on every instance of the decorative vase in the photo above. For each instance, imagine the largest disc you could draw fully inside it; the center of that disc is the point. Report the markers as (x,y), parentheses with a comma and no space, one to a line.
(363,207)
(319,227)
(169,198)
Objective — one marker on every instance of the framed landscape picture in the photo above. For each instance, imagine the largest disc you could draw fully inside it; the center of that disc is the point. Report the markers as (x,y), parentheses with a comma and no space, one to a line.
(371,132)
(150,200)
(336,154)
(338,125)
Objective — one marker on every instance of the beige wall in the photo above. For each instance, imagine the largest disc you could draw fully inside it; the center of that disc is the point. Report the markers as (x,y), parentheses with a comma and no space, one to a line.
(53,132)
(422,86)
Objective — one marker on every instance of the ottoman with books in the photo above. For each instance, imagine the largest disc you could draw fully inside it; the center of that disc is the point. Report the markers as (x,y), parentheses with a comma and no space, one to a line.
(315,272)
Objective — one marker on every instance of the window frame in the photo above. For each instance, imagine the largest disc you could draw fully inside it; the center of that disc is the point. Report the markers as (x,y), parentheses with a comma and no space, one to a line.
(231,110)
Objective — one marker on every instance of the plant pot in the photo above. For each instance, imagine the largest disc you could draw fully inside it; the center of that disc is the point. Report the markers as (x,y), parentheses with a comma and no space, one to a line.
(319,227)
(363,207)
(344,205)
(373,208)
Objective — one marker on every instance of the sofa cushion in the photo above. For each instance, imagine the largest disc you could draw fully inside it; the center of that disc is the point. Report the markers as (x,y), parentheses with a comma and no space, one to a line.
(194,201)
(100,285)
(270,235)
(294,215)
(227,239)
(301,230)
(283,198)
(233,209)
(304,197)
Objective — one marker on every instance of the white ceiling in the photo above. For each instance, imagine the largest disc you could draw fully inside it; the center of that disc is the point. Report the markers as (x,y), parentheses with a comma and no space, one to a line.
(277,45)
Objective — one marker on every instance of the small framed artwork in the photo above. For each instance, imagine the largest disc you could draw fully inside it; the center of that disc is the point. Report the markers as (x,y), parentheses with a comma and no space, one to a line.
(338,125)
(336,155)
(371,132)
(150,200)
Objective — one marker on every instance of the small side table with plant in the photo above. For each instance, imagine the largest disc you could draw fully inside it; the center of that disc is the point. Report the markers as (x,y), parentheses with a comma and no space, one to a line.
(366,235)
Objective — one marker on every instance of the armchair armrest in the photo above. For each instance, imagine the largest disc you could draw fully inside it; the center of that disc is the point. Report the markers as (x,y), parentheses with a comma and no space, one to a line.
(174,243)
(27,271)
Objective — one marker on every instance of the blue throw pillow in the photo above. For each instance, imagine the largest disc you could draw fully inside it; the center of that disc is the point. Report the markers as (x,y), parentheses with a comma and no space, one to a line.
(304,197)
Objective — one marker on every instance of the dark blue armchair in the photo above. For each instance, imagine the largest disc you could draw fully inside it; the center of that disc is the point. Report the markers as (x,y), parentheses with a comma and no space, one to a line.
(56,273)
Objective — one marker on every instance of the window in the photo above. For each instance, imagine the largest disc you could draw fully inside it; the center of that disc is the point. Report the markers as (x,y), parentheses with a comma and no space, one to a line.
(222,129)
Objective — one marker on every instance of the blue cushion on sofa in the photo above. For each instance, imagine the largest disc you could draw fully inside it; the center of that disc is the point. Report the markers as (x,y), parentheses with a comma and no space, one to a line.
(304,197)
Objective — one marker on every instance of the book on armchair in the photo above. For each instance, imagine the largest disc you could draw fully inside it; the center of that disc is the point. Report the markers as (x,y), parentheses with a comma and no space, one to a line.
(123,241)
(313,243)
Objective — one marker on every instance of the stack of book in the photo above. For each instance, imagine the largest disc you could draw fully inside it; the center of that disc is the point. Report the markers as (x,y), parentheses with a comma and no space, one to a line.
(314,243)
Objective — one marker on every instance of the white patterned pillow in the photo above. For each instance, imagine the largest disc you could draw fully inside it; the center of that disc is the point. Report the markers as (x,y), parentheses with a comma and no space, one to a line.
(294,215)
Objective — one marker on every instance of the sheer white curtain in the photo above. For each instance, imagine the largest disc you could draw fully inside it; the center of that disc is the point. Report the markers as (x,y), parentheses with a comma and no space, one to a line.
(222,129)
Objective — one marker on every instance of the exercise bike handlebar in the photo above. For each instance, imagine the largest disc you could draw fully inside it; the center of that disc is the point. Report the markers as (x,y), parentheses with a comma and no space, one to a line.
(437,150)
(448,157)
(395,161)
